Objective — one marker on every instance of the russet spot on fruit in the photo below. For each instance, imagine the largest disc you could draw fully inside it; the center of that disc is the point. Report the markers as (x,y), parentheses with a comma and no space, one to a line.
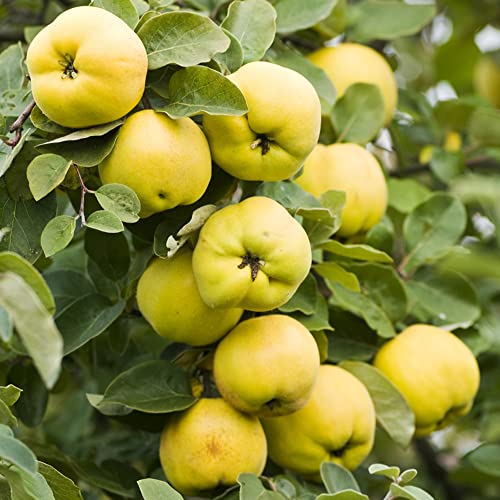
(87,67)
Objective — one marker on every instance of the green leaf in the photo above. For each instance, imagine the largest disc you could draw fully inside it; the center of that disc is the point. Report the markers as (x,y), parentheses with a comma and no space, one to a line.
(34,324)
(337,478)
(57,234)
(304,299)
(41,122)
(11,67)
(407,476)
(67,286)
(232,59)
(285,56)
(250,486)
(151,387)
(153,489)
(486,458)
(294,15)
(87,318)
(62,487)
(356,251)
(10,394)
(253,23)
(8,154)
(359,114)
(384,470)
(124,9)
(109,251)
(409,492)
(6,415)
(86,147)
(387,19)
(17,453)
(343,495)
(201,89)
(6,326)
(334,272)
(13,262)
(362,306)
(182,38)
(406,194)
(121,200)
(45,173)
(432,228)
(393,412)
(446,165)
(25,486)
(383,285)
(484,126)
(319,320)
(105,221)
(444,299)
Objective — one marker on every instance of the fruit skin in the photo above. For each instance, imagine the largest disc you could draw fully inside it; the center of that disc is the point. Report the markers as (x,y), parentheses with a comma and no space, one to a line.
(336,425)
(434,370)
(350,63)
(350,168)
(110,63)
(209,445)
(166,162)
(168,298)
(284,107)
(267,366)
(259,230)
(487,80)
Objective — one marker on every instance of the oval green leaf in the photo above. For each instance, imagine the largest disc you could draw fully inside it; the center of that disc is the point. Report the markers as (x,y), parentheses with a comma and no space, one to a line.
(57,234)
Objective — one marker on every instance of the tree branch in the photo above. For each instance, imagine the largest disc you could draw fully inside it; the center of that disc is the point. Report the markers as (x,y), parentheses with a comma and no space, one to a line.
(17,126)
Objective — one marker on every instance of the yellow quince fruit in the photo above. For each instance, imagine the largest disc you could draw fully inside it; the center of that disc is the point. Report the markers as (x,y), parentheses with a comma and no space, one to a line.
(336,425)
(434,370)
(209,445)
(166,162)
(349,63)
(282,125)
(350,168)
(168,298)
(487,79)
(267,366)
(252,255)
(87,68)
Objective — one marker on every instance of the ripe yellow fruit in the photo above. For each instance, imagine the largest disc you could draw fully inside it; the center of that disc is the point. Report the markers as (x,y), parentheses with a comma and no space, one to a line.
(336,425)
(350,63)
(452,143)
(168,298)
(209,445)
(253,255)
(349,168)
(267,366)
(487,80)
(166,162)
(87,68)
(282,126)
(434,370)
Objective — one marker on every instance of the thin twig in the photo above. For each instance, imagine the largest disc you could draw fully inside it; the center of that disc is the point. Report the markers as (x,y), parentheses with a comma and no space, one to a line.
(84,191)
(17,126)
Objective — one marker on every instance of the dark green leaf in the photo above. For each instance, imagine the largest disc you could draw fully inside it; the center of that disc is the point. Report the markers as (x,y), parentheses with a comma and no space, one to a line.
(57,234)
(200,89)
(182,38)
(232,59)
(45,173)
(336,478)
(486,458)
(253,23)
(359,114)
(87,318)
(121,200)
(34,324)
(109,251)
(304,299)
(394,414)
(151,387)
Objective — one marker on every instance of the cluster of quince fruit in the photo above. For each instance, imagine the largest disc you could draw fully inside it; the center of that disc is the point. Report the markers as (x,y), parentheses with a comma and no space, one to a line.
(275,396)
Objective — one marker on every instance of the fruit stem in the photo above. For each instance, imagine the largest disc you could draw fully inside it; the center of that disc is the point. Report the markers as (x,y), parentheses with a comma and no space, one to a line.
(17,126)
(263,142)
(253,262)
(84,191)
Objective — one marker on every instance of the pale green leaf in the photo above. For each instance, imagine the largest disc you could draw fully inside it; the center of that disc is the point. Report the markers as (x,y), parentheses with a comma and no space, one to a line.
(337,478)
(154,489)
(232,59)
(486,458)
(384,470)
(121,200)
(334,272)
(295,15)
(16,452)
(356,251)
(45,173)
(105,221)
(124,9)
(11,67)
(484,126)
(57,234)
(406,194)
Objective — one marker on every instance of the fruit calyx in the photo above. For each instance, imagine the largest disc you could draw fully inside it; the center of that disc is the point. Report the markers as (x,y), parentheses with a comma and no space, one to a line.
(272,404)
(339,452)
(263,142)
(69,70)
(253,262)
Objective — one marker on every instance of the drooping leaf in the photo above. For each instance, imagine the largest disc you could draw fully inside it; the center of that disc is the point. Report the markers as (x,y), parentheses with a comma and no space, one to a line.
(393,412)
(34,324)
(253,23)
(359,114)
(57,234)
(182,38)
(151,387)
(201,89)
